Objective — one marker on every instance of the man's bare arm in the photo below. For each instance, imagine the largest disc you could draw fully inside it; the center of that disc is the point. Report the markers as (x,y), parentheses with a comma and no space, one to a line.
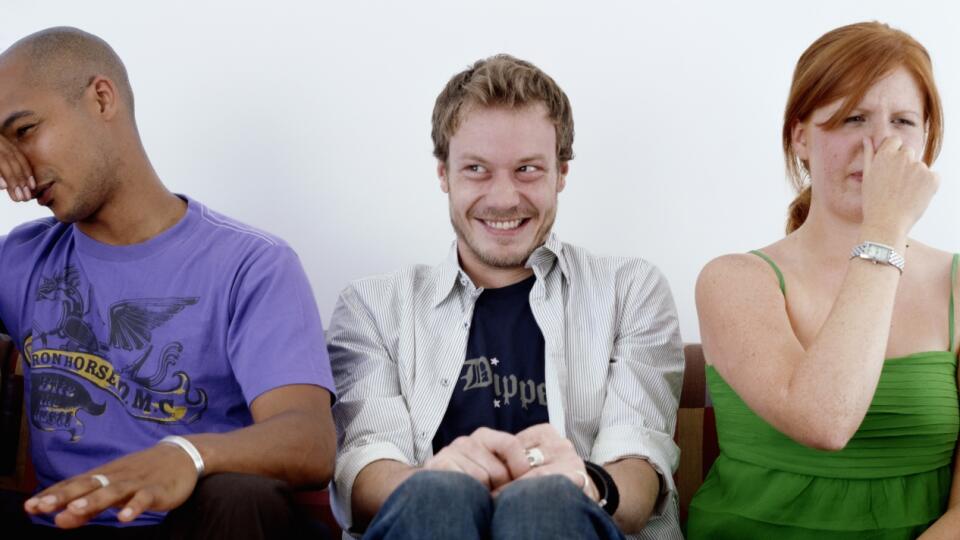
(373,486)
(639,486)
(292,439)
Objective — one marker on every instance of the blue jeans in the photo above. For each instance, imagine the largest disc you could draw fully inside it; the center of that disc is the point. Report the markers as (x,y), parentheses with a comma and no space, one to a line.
(435,504)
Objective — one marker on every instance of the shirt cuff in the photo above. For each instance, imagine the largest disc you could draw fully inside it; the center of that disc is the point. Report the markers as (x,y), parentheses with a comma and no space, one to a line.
(618,442)
(348,467)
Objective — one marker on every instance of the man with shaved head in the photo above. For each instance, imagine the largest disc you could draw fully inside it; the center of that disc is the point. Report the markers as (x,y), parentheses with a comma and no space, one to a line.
(177,375)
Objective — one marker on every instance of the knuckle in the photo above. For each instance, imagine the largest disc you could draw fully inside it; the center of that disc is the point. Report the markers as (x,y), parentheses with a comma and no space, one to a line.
(144,498)
(483,431)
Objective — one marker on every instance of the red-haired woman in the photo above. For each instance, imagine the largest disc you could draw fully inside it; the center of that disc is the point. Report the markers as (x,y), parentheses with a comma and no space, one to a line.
(833,352)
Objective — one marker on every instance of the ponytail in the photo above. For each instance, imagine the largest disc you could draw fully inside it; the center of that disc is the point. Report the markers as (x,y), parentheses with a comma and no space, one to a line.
(799,208)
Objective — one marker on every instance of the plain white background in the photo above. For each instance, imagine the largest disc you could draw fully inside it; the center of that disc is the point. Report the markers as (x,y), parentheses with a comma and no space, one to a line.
(312,120)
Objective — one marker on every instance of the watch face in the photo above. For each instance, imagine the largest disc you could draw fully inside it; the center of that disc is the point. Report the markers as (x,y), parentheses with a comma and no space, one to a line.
(876,252)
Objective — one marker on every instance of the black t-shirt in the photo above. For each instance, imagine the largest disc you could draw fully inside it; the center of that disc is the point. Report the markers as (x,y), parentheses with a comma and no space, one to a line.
(501,385)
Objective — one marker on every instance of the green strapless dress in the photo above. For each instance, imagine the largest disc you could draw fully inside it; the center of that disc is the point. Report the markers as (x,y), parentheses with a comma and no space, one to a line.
(891,481)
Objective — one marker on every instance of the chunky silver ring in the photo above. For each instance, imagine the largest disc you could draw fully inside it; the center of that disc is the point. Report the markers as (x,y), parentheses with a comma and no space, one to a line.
(535,457)
(102,480)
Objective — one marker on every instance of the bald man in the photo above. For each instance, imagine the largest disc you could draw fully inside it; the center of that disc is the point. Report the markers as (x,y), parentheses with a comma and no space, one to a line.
(175,357)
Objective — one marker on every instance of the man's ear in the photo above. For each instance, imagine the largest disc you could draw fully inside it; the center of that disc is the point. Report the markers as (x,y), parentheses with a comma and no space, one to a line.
(798,141)
(104,98)
(562,177)
(442,175)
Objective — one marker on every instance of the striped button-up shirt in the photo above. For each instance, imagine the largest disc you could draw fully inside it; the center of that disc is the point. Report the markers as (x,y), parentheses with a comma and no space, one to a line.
(614,363)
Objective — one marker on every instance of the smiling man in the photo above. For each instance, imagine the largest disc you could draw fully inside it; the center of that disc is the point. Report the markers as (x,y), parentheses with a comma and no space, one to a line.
(175,358)
(523,388)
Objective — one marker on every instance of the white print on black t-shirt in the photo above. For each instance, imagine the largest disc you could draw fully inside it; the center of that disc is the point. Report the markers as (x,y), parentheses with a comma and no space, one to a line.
(478,373)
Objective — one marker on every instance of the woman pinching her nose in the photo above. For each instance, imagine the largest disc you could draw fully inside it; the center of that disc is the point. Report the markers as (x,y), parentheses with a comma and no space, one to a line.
(832,352)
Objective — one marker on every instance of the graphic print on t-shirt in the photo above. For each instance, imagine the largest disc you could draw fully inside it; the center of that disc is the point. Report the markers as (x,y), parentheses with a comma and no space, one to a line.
(480,373)
(501,384)
(79,362)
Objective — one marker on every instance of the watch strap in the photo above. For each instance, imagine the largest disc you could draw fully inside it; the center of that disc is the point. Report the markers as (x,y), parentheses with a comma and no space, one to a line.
(866,251)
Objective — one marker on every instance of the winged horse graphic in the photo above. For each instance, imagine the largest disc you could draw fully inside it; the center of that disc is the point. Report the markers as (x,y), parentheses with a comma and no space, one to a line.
(132,323)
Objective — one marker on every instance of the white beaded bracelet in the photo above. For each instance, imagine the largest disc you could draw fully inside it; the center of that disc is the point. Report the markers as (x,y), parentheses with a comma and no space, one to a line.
(187,447)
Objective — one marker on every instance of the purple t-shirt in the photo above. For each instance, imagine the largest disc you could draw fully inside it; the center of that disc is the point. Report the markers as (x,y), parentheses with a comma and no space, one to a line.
(177,335)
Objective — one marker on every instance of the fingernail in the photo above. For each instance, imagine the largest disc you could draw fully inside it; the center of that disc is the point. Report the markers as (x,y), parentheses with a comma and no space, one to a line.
(79,503)
(3,183)
(31,502)
(49,499)
(33,183)
(16,194)
(126,513)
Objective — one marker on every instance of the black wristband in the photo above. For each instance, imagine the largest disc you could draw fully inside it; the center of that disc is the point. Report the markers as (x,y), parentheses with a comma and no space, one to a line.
(609,494)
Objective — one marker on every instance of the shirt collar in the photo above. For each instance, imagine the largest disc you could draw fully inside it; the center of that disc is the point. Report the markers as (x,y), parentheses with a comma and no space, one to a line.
(543,258)
(448,273)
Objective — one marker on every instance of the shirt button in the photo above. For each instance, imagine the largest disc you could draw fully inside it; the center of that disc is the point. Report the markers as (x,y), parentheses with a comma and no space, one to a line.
(444,382)
(423,434)
(466,325)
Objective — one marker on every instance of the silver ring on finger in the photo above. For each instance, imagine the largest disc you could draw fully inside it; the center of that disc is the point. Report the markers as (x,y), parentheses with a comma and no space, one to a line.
(535,457)
(102,480)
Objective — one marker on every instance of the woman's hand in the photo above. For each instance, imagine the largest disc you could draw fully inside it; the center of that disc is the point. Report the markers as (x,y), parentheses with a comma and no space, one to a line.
(897,187)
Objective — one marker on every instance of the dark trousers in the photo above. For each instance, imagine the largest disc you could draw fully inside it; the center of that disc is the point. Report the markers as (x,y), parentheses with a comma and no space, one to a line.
(229,505)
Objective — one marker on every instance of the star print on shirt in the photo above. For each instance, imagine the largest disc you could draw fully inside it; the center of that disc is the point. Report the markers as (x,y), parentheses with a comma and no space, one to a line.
(496,404)
(494,361)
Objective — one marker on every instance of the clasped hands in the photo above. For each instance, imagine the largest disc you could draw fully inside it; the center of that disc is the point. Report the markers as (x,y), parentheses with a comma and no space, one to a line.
(495,458)
(159,478)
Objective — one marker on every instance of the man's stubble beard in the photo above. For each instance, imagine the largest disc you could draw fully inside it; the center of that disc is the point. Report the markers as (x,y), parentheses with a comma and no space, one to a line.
(513,261)
(95,190)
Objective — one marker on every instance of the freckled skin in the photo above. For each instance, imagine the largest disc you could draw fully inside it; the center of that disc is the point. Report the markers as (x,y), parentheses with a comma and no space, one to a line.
(889,108)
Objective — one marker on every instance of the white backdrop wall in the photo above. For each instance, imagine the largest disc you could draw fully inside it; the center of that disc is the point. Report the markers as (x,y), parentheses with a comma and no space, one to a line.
(312,120)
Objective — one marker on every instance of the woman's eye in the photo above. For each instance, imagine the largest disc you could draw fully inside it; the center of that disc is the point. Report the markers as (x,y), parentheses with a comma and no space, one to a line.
(905,122)
(857,118)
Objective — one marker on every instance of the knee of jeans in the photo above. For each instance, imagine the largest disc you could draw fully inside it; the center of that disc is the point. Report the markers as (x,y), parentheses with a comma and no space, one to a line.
(552,491)
(242,492)
(454,487)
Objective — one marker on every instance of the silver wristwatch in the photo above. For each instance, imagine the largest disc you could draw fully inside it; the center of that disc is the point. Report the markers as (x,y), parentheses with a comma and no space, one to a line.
(879,254)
